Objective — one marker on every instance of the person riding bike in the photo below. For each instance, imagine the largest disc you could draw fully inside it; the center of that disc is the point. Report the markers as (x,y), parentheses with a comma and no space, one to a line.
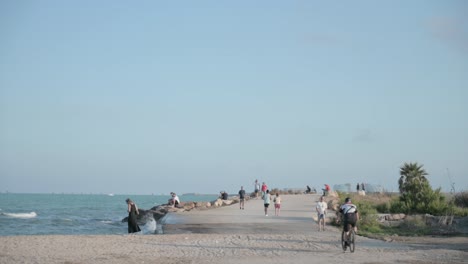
(350,215)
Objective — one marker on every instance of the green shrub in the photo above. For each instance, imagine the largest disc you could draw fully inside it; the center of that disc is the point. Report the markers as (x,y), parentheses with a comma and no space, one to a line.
(397,206)
(408,230)
(383,208)
(461,199)
(368,216)
(458,211)
(432,202)
(371,229)
(341,195)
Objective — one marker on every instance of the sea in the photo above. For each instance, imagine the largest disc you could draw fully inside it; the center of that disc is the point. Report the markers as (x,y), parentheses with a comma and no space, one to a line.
(76,214)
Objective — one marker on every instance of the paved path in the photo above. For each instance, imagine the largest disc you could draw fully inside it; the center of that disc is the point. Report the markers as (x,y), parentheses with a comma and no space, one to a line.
(297,228)
(297,215)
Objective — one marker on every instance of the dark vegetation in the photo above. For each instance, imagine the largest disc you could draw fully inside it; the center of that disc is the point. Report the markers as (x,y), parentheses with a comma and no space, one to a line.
(415,197)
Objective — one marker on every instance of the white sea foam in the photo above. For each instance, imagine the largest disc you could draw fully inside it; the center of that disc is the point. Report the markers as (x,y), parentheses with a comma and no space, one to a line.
(149,227)
(21,215)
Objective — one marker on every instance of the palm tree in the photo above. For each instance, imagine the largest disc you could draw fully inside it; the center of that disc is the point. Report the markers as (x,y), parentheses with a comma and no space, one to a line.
(414,186)
(412,175)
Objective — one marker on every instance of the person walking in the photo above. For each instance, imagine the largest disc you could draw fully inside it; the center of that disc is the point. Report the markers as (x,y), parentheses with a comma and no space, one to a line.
(321,209)
(257,188)
(264,188)
(241,198)
(277,201)
(266,201)
(133,212)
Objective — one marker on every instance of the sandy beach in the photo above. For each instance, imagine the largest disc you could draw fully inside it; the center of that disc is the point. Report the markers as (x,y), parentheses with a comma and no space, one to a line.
(231,235)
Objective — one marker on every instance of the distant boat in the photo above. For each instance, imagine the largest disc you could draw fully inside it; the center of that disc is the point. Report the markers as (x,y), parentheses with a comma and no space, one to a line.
(111,194)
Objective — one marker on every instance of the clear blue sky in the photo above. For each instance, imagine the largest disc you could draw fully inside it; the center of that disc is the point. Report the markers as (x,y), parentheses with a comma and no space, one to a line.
(201,96)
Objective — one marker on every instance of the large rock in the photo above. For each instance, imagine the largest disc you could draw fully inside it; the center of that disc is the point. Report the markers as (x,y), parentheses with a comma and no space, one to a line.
(227,202)
(159,211)
(188,206)
(202,204)
(333,203)
(461,225)
(217,203)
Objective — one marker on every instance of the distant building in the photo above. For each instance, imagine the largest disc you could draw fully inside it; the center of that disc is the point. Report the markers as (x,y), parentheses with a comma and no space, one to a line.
(344,188)
(349,188)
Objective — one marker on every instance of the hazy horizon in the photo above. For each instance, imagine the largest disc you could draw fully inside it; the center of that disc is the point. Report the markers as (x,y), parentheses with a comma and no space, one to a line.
(154,97)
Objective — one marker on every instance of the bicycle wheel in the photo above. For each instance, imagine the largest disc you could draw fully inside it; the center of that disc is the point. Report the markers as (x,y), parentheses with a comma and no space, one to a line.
(343,240)
(352,236)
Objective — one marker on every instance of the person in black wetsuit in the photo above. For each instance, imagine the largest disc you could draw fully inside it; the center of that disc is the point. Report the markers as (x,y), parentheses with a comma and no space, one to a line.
(132,217)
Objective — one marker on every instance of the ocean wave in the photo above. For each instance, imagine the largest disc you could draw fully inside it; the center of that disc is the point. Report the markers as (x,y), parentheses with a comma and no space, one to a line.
(21,215)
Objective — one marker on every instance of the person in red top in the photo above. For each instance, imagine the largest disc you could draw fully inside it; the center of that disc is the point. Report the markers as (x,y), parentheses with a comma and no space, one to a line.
(326,190)
(264,188)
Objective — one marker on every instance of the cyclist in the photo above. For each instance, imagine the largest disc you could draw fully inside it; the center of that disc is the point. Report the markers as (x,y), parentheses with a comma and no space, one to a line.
(350,215)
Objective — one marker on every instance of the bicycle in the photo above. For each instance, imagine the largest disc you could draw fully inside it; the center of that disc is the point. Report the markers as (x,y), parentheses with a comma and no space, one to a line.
(348,241)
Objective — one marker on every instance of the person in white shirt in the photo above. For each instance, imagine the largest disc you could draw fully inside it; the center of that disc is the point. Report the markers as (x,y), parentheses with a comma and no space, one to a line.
(321,209)
(174,200)
(257,188)
(266,201)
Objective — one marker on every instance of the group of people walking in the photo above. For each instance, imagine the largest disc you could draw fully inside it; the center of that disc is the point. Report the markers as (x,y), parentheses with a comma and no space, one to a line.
(348,210)
(267,199)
